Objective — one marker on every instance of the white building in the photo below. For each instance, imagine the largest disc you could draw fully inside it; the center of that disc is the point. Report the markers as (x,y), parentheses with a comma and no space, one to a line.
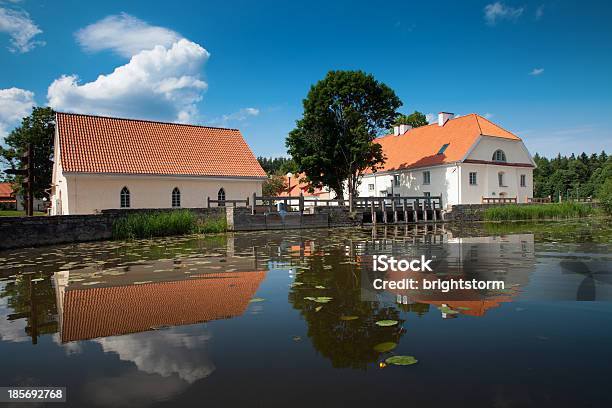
(463,159)
(105,163)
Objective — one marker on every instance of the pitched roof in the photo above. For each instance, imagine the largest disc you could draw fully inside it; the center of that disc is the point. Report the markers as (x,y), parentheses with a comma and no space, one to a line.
(95,144)
(419,147)
(116,310)
(300,187)
(6,190)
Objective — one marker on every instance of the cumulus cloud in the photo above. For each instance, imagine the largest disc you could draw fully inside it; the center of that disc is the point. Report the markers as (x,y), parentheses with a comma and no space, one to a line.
(20,28)
(497,11)
(238,116)
(15,103)
(536,71)
(125,35)
(162,83)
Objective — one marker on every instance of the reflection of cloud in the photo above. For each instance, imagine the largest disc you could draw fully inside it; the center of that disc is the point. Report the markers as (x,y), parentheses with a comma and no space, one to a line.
(132,389)
(178,350)
(69,348)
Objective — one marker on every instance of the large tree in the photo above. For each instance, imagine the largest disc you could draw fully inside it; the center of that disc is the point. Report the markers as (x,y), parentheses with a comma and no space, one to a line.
(415,119)
(37,129)
(333,142)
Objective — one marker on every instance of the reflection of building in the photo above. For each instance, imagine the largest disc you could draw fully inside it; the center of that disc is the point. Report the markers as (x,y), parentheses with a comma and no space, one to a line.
(90,312)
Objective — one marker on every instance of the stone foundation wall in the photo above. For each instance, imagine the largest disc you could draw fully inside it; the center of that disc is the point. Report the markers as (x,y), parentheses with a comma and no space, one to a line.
(20,232)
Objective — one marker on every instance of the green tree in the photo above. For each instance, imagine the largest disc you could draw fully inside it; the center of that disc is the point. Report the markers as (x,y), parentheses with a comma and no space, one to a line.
(415,119)
(333,143)
(38,129)
(605,195)
(274,185)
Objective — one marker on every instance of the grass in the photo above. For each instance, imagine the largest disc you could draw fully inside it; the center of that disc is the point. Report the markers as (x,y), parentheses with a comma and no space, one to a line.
(538,211)
(163,224)
(15,213)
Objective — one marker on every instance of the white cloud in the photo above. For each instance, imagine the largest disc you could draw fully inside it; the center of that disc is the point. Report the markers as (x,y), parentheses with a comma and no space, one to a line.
(15,103)
(539,13)
(20,27)
(537,71)
(239,116)
(499,11)
(124,34)
(488,115)
(162,83)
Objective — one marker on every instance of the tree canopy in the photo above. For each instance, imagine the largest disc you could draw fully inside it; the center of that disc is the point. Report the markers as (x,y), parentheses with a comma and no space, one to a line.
(415,119)
(38,129)
(343,114)
(277,165)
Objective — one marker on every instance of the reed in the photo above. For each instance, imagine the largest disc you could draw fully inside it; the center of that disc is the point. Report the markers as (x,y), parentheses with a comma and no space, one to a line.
(162,224)
(537,211)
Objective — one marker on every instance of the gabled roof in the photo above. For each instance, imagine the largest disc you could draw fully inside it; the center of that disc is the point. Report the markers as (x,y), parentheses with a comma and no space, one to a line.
(419,147)
(300,187)
(96,144)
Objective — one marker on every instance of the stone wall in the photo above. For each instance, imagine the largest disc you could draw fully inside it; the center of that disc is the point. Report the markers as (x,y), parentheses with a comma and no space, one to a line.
(19,232)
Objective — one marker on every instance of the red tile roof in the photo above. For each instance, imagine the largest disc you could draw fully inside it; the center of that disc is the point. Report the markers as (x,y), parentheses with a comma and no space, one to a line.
(299,187)
(95,144)
(6,190)
(116,310)
(419,146)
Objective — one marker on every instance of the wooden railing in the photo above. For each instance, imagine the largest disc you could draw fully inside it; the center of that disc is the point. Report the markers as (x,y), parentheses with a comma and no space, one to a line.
(225,203)
(539,200)
(499,200)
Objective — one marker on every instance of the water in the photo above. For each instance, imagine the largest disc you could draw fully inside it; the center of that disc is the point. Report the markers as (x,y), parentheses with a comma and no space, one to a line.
(220,321)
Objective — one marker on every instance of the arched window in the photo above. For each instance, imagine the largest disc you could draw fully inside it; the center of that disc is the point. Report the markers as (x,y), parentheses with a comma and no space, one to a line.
(176,197)
(500,178)
(125,198)
(221,197)
(499,156)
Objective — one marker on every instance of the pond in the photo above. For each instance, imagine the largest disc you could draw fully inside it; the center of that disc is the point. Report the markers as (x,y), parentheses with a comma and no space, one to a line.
(282,318)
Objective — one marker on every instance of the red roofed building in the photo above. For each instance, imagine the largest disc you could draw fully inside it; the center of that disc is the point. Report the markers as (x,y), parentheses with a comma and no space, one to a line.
(103,163)
(295,185)
(462,159)
(7,197)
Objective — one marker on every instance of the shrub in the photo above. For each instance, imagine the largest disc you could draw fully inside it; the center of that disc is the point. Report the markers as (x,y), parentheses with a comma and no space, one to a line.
(537,211)
(161,224)
(605,196)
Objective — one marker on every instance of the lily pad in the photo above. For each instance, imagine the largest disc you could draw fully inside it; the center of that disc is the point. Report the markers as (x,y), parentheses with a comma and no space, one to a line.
(384,347)
(447,310)
(347,318)
(256,299)
(318,308)
(320,287)
(401,360)
(386,323)
(320,299)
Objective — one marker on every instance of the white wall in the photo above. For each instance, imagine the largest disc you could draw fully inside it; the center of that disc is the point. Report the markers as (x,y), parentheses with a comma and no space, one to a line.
(515,150)
(86,194)
(488,183)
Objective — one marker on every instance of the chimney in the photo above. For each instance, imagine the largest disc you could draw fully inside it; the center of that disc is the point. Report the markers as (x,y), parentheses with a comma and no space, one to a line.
(443,117)
(396,130)
(404,128)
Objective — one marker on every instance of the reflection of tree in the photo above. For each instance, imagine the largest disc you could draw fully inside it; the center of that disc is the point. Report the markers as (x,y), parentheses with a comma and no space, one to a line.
(347,343)
(34,301)
(420,309)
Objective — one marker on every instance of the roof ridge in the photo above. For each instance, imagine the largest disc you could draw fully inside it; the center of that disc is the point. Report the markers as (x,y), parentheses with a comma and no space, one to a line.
(145,120)
(478,117)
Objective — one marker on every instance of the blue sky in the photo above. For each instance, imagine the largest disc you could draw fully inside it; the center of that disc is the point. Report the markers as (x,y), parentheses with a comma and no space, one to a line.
(540,69)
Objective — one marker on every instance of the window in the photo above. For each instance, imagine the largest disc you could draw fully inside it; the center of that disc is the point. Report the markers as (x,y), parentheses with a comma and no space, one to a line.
(499,156)
(500,179)
(426,177)
(370,187)
(427,194)
(396,180)
(125,198)
(523,180)
(443,148)
(473,179)
(221,197)
(176,197)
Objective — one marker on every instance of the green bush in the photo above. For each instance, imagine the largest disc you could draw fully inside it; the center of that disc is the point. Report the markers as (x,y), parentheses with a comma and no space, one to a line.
(537,211)
(605,196)
(161,224)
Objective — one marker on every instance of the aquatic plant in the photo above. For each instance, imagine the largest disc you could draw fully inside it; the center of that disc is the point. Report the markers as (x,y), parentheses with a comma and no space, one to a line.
(538,211)
(161,224)
(401,360)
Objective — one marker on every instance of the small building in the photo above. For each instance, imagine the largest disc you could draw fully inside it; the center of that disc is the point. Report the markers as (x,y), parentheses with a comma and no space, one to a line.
(464,160)
(7,197)
(295,185)
(108,163)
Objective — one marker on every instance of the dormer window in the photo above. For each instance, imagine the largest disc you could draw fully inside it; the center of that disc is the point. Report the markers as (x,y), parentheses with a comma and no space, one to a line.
(499,156)
(443,148)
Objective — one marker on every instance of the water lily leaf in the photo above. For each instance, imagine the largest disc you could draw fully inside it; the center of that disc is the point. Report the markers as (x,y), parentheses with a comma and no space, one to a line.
(297,283)
(347,318)
(256,299)
(320,287)
(401,360)
(318,308)
(447,310)
(384,347)
(320,299)
(386,323)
